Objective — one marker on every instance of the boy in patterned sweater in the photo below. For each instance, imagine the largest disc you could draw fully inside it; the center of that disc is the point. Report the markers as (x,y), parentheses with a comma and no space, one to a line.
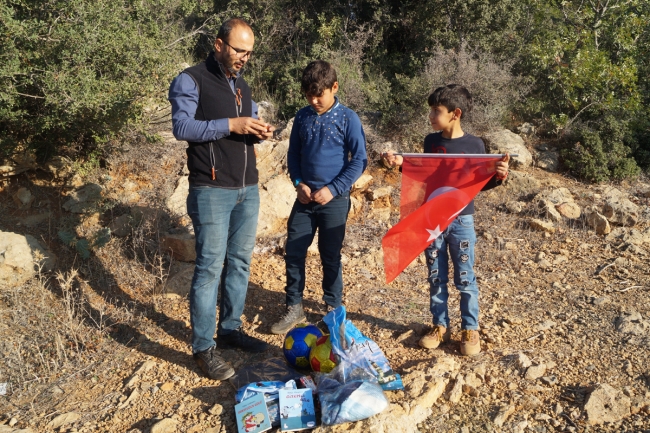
(327,154)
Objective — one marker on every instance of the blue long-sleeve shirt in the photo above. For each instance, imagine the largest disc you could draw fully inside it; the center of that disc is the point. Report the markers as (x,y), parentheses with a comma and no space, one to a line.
(184,97)
(327,149)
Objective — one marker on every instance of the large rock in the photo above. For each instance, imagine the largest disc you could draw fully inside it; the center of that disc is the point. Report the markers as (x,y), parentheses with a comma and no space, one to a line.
(505,141)
(621,211)
(606,404)
(548,160)
(271,159)
(84,199)
(597,221)
(177,202)
(276,200)
(519,183)
(556,195)
(181,246)
(20,258)
(631,322)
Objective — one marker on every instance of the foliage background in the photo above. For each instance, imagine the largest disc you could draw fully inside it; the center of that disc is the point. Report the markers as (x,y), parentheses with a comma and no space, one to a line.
(77,74)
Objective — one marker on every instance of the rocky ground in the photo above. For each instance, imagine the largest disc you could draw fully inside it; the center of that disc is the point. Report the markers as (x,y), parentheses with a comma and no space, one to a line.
(103,345)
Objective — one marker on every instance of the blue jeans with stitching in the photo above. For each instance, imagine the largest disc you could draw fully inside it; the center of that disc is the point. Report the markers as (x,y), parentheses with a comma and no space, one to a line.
(456,242)
(225,223)
(330,220)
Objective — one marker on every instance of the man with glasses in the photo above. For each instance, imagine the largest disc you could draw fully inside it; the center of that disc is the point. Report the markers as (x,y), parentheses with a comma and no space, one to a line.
(213,111)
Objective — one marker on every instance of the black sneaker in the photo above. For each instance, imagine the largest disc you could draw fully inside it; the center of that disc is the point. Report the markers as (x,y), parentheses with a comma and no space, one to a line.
(293,315)
(214,366)
(238,339)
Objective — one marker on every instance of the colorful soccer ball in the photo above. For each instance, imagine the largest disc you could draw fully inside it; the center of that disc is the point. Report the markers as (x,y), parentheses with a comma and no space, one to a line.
(298,344)
(321,356)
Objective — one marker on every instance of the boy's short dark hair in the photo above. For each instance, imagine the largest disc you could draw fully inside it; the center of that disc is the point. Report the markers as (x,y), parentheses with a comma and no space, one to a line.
(317,76)
(452,96)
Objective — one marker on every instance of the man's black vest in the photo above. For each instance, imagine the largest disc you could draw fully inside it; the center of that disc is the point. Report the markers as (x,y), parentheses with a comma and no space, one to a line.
(234,154)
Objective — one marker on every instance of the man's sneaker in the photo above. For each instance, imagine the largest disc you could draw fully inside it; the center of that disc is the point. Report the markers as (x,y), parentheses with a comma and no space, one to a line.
(438,334)
(470,344)
(238,339)
(293,315)
(214,366)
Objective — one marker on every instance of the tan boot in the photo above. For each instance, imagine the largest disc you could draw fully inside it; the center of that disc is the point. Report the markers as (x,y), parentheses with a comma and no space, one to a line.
(470,343)
(438,334)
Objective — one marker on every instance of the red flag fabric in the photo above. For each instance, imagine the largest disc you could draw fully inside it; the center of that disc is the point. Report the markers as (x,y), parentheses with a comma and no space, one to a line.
(435,189)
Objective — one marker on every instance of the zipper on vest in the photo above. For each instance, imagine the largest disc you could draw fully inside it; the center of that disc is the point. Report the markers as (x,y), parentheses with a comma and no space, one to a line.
(238,103)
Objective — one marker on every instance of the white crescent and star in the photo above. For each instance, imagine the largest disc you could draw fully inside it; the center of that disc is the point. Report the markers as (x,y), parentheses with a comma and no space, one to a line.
(433,234)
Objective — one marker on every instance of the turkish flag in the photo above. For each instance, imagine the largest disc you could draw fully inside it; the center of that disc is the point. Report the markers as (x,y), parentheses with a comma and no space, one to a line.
(435,189)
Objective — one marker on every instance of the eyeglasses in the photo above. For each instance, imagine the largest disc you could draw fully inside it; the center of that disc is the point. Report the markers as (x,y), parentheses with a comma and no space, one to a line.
(239,53)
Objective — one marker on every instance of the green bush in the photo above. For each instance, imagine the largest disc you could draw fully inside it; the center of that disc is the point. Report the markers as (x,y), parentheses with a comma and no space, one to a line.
(74,72)
(599,153)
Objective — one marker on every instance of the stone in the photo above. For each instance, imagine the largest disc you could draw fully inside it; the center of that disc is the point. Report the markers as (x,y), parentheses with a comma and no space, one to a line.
(286,132)
(380,192)
(216,410)
(540,225)
(631,322)
(355,206)
(549,380)
(526,129)
(166,425)
(23,198)
(59,166)
(545,326)
(362,183)
(598,222)
(548,160)
(506,141)
(132,397)
(144,213)
(534,372)
(121,226)
(64,419)
(145,367)
(522,361)
(473,380)
(84,199)
(547,208)
(177,202)
(569,210)
(34,220)
(621,211)
(266,111)
(457,391)
(181,246)
(21,256)
(514,206)
(167,386)
(519,183)
(271,159)
(503,414)
(606,404)
(276,201)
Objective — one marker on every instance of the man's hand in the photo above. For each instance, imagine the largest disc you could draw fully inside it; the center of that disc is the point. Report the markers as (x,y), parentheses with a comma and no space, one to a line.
(322,196)
(249,125)
(391,159)
(502,167)
(304,193)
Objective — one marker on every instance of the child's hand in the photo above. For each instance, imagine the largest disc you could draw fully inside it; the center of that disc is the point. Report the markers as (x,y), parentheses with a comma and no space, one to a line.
(502,167)
(304,193)
(322,196)
(391,159)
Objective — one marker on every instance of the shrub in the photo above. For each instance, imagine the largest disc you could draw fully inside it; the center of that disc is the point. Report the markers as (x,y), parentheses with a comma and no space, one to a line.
(494,90)
(598,153)
(74,72)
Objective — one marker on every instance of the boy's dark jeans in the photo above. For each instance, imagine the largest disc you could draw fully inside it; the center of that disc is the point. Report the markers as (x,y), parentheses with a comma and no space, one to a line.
(330,219)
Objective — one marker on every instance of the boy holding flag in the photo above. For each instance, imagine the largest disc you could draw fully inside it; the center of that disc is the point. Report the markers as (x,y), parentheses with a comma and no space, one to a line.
(457,239)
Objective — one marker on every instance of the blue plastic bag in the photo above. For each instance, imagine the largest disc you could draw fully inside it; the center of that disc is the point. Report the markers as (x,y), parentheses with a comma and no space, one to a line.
(359,351)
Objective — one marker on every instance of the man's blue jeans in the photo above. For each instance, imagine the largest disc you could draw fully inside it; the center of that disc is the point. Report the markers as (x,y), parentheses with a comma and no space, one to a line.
(457,242)
(330,219)
(225,222)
